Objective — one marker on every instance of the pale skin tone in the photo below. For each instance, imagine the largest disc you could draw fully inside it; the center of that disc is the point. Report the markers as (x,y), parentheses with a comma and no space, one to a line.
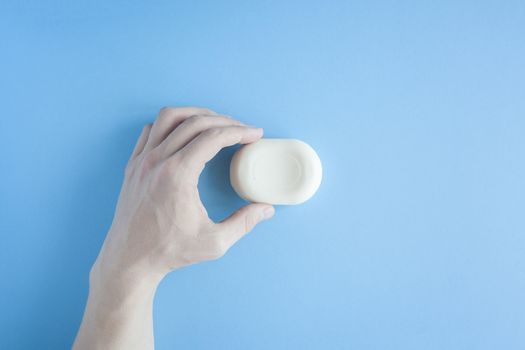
(161,225)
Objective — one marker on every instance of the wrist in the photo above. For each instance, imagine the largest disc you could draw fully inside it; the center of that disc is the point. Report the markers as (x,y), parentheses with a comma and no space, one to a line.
(121,282)
(118,297)
(120,301)
(123,268)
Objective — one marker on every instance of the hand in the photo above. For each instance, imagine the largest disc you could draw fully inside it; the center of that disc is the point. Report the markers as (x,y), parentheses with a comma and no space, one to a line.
(160,223)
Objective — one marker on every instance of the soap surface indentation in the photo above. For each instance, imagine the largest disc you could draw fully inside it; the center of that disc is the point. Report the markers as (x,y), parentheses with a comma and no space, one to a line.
(276,171)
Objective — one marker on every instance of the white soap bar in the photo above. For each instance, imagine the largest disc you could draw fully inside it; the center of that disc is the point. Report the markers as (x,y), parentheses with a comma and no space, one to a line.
(276,171)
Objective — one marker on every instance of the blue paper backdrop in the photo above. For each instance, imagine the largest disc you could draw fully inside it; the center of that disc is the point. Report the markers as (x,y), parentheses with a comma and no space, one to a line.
(416,238)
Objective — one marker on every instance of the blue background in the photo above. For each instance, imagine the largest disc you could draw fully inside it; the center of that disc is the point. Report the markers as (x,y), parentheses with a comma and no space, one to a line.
(416,238)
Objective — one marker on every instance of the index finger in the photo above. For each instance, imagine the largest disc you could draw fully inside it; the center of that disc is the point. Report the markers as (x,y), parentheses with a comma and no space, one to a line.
(206,146)
(170,118)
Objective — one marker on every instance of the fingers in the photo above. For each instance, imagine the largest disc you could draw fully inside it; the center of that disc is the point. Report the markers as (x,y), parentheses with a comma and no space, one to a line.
(209,142)
(141,142)
(168,119)
(241,222)
(191,128)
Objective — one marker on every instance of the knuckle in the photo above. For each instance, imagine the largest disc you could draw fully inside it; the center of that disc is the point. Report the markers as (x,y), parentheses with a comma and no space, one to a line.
(249,222)
(170,170)
(166,114)
(184,160)
(175,173)
(218,247)
(149,162)
(150,159)
(208,111)
(194,120)
(166,171)
(166,110)
(214,132)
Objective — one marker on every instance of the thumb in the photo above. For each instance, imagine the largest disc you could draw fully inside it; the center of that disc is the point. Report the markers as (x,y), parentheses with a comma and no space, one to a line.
(244,220)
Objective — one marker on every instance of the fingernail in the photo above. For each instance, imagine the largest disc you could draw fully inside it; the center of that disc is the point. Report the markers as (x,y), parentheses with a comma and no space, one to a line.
(268,213)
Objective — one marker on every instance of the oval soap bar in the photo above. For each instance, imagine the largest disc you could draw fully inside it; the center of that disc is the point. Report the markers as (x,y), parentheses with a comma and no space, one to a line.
(276,171)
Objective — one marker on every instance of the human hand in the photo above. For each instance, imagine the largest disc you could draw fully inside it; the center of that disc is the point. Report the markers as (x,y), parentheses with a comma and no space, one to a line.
(160,223)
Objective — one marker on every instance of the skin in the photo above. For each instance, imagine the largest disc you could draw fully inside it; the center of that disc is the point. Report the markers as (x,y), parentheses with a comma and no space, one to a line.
(161,225)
